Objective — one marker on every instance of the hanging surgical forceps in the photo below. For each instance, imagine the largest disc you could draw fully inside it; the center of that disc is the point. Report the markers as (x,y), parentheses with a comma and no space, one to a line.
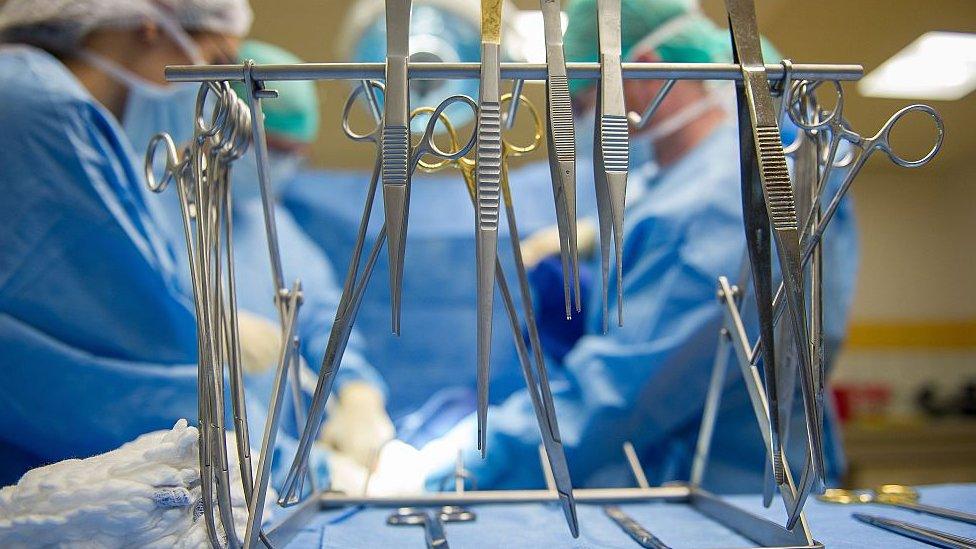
(354,287)
(561,137)
(395,149)
(488,171)
(203,185)
(767,198)
(611,151)
(535,373)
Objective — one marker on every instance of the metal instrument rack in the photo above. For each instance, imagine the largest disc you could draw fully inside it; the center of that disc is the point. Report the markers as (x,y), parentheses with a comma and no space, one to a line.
(761,531)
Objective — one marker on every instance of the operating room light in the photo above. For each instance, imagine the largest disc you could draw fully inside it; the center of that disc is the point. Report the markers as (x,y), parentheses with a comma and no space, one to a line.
(530,30)
(937,65)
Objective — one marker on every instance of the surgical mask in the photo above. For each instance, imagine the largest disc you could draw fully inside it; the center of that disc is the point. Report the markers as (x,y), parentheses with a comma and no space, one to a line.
(283,167)
(642,151)
(683,117)
(151,108)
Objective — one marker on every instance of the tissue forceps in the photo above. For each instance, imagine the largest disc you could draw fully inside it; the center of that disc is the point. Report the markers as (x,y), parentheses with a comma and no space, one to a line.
(916,532)
(642,536)
(354,286)
(488,175)
(768,203)
(561,137)
(535,373)
(611,151)
(395,150)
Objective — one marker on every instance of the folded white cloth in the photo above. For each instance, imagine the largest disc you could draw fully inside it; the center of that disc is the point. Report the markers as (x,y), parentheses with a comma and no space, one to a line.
(144,494)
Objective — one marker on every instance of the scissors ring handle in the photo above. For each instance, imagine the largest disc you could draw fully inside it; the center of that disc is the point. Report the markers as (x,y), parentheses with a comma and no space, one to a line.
(172,162)
(372,135)
(833,117)
(884,134)
(425,148)
(219,113)
(519,150)
(427,144)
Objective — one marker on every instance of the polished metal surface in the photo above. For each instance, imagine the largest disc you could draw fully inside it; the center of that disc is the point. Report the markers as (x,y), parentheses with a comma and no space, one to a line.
(509,71)
(395,150)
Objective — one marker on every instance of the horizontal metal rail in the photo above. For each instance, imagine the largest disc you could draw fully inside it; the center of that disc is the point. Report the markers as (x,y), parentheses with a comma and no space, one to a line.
(584,495)
(511,71)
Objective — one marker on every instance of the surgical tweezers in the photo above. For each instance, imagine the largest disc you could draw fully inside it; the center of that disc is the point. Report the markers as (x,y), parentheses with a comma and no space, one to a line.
(611,151)
(767,196)
(396,145)
(638,533)
(919,533)
(489,159)
(561,137)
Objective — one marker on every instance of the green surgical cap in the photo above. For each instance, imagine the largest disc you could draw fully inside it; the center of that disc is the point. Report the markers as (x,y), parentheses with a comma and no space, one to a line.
(697,41)
(294,114)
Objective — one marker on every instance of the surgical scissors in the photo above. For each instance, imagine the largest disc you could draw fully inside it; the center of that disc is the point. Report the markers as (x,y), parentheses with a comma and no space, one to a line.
(896,495)
(611,151)
(354,286)
(432,522)
(535,373)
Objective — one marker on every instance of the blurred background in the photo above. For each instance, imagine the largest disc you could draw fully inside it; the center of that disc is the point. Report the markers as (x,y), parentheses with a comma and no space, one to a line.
(905,381)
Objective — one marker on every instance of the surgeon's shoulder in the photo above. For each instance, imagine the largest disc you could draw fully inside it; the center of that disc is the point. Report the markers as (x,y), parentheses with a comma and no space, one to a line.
(37,84)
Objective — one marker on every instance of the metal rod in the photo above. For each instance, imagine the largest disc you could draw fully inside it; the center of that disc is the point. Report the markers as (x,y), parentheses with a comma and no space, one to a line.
(678,493)
(509,71)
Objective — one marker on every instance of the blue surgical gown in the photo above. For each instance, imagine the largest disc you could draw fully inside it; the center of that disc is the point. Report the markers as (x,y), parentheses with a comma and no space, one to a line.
(646,382)
(97,329)
(439,316)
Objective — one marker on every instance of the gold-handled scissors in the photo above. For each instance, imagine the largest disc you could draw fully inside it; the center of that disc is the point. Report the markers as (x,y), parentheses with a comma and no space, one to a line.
(896,495)
(534,368)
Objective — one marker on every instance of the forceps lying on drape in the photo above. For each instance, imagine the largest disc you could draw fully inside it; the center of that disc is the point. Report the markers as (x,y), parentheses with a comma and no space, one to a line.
(354,287)
(536,379)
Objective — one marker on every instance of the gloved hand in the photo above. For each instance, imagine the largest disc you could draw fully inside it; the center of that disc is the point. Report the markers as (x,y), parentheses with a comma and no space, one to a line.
(260,342)
(398,470)
(541,255)
(357,424)
(143,494)
(545,242)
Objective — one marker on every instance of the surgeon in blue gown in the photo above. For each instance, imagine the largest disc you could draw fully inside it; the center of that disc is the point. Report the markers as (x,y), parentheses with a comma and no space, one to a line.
(96,319)
(645,382)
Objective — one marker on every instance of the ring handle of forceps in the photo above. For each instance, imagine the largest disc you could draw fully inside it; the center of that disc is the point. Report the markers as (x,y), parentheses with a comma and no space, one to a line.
(221,110)
(451,133)
(427,144)
(373,134)
(519,150)
(172,162)
(882,138)
(831,119)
